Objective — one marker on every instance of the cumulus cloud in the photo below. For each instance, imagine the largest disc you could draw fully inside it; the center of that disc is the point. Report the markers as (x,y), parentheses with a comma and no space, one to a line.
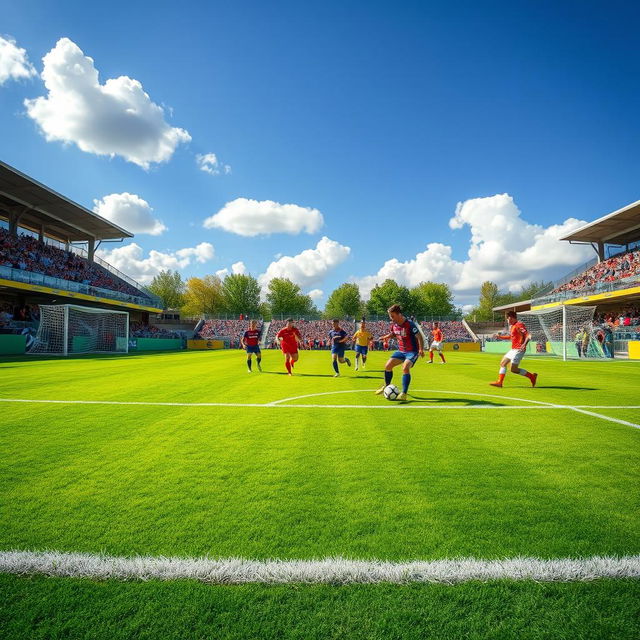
(130,259)
(130,212)
(252,218)
(503,248)
(210,164)
(14,62)
(114,118)
(309,267)
(316,294)
(237,268)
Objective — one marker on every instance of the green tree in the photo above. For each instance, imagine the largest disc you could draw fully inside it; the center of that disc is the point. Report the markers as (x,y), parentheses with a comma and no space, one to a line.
(432,299)
(386,294)
(169,287)
(203,296)
(344,301)
(489,297)
(241,294)
(534,290)
(285,297)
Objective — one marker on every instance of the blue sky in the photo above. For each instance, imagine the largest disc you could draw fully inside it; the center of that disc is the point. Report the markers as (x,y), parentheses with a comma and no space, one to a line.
(378,117)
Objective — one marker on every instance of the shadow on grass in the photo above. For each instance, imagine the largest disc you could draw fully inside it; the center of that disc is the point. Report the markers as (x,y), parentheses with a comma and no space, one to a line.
(547,386)
(464,401)
(299,375)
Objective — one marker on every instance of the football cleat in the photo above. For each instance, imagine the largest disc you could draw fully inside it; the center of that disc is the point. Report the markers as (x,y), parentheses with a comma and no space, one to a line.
(496,384)
(535,379)
(380,391)
(402,397)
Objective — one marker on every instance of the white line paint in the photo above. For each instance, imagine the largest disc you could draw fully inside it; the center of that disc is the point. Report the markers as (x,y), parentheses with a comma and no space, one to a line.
(284,403)
(326,571)
(603,417)
(459,393)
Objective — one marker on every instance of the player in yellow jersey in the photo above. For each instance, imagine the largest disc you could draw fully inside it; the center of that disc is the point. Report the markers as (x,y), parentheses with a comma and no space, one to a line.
(361,344)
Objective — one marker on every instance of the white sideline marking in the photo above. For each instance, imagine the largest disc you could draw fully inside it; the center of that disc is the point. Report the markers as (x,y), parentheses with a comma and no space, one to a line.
(325,571)
(599,415)
(537,404)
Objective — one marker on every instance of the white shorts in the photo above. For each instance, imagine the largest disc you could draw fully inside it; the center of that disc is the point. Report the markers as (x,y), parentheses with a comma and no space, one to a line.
(515,355)
(436,345)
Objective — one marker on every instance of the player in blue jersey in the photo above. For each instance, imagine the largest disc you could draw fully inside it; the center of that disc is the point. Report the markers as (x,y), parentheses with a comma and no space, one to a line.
(338,339)
(410,347)
(251,344)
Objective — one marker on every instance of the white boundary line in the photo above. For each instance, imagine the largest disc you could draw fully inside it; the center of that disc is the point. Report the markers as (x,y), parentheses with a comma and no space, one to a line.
(537,404)
(324,571)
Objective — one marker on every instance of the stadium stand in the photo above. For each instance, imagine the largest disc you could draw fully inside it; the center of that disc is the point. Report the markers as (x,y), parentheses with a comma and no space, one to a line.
(620,267)
(453,330)
(233,330)
(27,253)
(141,330)
(315,332)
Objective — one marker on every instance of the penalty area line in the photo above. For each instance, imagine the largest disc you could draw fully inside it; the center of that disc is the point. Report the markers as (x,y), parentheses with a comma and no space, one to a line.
(335,570)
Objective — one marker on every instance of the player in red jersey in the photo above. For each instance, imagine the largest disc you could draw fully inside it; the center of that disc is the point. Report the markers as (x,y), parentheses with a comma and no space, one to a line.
(519,337)
(436,344)
(289,338)
(251,344)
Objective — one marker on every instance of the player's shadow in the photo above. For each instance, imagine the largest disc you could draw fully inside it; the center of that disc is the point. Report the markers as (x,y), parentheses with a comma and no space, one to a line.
(464,401)
(298,375)
(546,386)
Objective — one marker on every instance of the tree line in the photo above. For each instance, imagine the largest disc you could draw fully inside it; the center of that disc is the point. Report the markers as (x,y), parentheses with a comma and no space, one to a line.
(241,294)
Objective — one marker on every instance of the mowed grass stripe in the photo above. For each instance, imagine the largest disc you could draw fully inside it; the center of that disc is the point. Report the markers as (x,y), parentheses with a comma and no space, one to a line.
(287,484)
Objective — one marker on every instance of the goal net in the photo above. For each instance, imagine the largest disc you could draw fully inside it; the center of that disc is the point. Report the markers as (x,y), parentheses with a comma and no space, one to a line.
(567,331)
(67,329)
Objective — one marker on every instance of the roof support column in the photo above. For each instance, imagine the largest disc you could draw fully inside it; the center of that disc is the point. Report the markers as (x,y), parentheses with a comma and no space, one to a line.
(41,233)
(600,251)
(91,249)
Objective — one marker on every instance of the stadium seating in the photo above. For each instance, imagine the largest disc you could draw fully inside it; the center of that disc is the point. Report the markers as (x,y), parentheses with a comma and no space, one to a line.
(141,330)
(29,254)
(614,269)
(315,332)
(232,329)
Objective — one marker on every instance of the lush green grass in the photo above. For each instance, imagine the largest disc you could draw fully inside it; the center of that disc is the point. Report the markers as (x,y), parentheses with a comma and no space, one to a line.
(312,482)
(45,608)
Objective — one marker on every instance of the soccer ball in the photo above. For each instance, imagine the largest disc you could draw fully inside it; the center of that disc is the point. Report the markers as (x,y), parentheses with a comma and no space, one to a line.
(391,392)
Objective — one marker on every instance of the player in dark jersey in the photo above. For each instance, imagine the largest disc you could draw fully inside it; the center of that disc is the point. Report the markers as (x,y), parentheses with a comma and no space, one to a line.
(338,340)
(410,347)
(251,344)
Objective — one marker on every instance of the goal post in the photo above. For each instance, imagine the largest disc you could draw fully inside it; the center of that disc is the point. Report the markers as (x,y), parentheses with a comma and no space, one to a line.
(567,331)
(68,329)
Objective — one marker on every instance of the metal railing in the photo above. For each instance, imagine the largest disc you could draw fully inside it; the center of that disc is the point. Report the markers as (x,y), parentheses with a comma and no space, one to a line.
(601,287)
(30,277)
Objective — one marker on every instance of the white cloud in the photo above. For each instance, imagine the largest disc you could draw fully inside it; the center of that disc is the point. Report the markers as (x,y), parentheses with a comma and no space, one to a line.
(309,267)
(252,218)
(316,294)
(504,248)
(237,268)
(131,261)
(14,63)
(209,163)
(130,212)
(114,118)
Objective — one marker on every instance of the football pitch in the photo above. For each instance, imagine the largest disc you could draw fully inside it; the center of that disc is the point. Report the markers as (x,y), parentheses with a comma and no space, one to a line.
(308,507)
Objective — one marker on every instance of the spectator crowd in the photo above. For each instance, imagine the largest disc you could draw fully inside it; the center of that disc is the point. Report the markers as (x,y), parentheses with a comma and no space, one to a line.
(229,329)
(29,254)
(315,333)
(141,330)
(613,269)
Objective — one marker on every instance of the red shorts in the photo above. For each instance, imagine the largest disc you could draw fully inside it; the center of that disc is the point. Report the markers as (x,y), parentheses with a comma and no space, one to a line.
(292,351)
